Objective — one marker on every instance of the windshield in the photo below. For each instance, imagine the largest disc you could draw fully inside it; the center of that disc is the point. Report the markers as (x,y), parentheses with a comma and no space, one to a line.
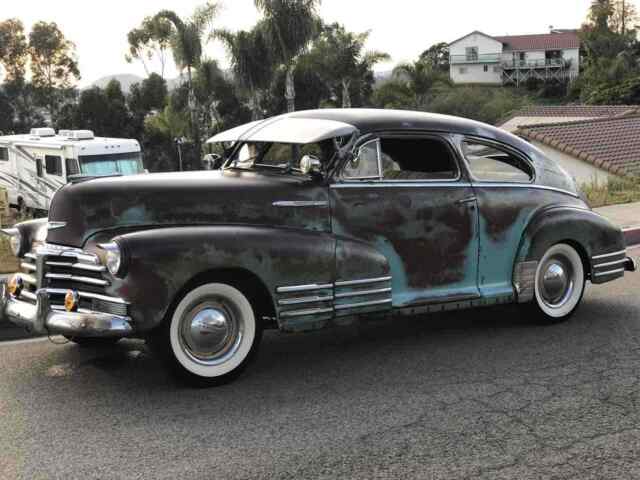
(110,163)
(283,157)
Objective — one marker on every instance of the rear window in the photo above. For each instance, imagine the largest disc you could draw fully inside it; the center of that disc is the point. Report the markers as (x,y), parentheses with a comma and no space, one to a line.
(417,159)
(4,154)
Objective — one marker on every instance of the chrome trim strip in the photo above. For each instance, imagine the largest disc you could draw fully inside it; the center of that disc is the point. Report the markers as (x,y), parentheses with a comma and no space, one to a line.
(30,279)
(73,278)
(28,266)
(610,272)
(295,203)
(363,293)
(361,304)
(402,183)
(60,264)
(96,296)
(29,295)
(609,264)
(298,301)
(304,288)
(607,255)
(56,225)
(90,268)
(305,313)
(348,283)
(31,256)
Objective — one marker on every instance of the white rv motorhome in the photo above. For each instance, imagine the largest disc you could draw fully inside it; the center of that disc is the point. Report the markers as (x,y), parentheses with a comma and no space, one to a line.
(34,166)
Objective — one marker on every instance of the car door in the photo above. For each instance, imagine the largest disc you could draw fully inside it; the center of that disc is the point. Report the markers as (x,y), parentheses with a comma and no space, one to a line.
(407,196)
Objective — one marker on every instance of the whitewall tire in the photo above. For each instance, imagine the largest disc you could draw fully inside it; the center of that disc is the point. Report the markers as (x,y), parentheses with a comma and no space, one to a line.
(212,334)
(559,283)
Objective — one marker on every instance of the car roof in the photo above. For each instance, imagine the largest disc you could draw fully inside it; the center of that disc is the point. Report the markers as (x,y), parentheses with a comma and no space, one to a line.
(369,120)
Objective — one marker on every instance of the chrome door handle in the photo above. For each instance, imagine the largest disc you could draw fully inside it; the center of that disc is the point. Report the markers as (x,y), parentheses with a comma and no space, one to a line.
(466,200)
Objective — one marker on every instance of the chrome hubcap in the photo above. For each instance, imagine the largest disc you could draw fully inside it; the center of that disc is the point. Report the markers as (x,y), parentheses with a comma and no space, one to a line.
(210,332)
(556,282)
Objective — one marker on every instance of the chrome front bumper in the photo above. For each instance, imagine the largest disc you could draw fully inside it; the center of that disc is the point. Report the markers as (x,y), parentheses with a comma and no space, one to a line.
(41,318)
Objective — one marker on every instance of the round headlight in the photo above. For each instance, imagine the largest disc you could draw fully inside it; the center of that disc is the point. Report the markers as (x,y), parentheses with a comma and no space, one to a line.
(15,240)
(113,257)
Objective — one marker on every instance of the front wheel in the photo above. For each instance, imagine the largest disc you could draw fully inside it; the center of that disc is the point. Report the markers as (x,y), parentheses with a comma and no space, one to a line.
(211,336)
(559,284)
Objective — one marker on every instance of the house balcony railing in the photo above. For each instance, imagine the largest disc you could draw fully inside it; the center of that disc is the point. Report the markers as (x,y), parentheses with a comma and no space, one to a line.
(478,58)
(542,63)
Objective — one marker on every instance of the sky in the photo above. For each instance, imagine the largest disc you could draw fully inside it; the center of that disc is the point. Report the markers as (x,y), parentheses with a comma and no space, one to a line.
(402,28)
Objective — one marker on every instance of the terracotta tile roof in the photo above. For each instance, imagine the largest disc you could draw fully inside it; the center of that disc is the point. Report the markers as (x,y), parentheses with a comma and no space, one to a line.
(612,144)
(545,41)
(587,111)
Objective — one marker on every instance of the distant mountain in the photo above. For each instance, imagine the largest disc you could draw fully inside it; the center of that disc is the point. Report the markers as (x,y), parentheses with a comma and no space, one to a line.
(125,79)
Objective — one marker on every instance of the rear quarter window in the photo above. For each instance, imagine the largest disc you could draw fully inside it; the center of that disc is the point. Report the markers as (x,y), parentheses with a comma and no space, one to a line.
(489,163)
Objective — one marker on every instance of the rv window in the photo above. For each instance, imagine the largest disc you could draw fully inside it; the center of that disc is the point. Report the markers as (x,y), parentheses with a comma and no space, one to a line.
(72,166)
(39,167)
(53,165)
(4,154)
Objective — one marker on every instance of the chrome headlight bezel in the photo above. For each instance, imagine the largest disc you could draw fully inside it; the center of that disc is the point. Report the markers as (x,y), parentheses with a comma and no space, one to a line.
(114,258)
(16,241)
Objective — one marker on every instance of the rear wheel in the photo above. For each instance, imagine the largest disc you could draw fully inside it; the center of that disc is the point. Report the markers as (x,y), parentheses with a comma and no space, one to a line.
(559,284)
(211,336)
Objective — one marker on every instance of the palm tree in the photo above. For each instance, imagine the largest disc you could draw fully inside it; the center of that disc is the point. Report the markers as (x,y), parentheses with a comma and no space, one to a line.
(250,62)
(187,45)
(421,78)
(289,26)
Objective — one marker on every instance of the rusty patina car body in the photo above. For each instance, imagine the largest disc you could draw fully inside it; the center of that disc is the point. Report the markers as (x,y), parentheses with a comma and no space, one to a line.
(309,249)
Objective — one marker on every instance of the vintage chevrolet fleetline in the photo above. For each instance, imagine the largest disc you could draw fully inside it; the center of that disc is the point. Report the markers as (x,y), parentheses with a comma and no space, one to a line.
(317,217)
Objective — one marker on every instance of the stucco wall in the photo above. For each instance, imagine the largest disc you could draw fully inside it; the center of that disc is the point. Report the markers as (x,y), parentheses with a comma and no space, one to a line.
(581,171)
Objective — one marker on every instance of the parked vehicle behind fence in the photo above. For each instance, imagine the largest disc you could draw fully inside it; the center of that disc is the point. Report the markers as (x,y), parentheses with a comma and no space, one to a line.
(316,218)
(34,166)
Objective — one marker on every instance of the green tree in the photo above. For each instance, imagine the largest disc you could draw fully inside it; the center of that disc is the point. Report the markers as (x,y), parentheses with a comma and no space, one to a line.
(53,64)
(13,49)
(437,56)
(151,39)
(251,63)
(290,25)
(341,60)
(421,78)
(150,94)
(187,43)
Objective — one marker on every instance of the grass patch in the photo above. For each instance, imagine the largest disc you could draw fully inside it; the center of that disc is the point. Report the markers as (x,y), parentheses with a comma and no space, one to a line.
(8,261)
(614,191)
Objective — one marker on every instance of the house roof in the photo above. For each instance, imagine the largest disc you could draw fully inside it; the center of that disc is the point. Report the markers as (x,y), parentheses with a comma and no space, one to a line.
(475,32)
(571,112)
(612,144)
(545,41)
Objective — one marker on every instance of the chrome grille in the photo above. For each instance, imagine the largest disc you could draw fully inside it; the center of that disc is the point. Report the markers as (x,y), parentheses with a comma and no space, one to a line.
(59,269)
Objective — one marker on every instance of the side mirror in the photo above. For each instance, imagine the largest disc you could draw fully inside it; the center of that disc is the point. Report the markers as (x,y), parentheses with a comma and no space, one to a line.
(213,161)
(310,165)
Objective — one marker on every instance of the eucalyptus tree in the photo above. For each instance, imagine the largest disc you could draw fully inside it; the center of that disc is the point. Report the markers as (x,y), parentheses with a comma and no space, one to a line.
(151,39)
(187,41)
(421,77)
(289,25)
(251,63)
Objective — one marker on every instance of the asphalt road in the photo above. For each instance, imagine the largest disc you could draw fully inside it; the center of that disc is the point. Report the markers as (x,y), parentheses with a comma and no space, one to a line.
(482,394)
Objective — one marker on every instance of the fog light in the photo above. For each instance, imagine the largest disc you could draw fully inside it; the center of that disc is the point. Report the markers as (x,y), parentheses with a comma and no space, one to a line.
(15,285)
(71,300)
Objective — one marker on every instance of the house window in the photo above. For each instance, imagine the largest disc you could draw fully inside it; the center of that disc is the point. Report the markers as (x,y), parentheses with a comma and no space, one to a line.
(4,154)
(472,54)
(463,70)
(53,165)
(486,68)
(491,164)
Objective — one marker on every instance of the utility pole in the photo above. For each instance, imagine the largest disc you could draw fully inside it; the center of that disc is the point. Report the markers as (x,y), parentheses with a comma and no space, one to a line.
(179,141)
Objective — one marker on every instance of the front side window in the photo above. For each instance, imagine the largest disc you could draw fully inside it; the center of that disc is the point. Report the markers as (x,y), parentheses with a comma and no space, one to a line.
(364,165)
(417,159)
(72,166)
(491,164)
(4,154)
(53,165)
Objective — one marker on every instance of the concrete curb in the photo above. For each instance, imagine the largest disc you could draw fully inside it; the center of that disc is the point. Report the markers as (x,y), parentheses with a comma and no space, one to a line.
(632,236)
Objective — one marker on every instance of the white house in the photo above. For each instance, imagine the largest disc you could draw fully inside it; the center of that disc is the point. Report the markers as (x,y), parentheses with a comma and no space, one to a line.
(478,58)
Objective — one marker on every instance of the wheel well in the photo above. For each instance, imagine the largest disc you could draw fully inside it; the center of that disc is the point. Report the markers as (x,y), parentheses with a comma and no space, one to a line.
(586,264)
(244,280)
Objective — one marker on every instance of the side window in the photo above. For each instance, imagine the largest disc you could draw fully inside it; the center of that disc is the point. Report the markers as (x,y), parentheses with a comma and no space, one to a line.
(417,159)
(491,164)
(39,167)
(53,165)
(365,165)
(72,166)
(4,154)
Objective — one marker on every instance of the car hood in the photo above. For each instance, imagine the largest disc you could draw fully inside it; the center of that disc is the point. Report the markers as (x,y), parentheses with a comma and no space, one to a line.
(188,198)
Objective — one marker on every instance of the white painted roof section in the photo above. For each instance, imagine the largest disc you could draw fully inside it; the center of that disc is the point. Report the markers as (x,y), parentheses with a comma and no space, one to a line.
(286,130)
(95,146)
